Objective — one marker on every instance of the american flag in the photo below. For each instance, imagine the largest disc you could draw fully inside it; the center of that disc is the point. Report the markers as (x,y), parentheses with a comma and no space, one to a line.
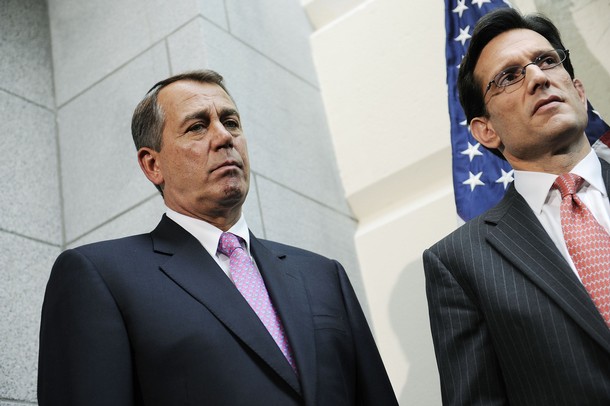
(479,177)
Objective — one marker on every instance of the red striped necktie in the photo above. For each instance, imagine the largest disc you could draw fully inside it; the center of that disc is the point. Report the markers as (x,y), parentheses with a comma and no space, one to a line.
(587,241)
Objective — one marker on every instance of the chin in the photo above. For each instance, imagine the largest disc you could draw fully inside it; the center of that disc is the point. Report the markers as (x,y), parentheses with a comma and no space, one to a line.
(563,126)
(234,193)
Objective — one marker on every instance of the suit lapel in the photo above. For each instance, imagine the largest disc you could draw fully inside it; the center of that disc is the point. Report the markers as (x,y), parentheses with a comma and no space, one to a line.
(521,239)
(606,174)
(192,268)
(287,291)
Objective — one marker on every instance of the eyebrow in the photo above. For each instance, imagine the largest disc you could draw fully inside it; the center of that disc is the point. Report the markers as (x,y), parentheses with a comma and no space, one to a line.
(204,114)
(228,111)
(532,55)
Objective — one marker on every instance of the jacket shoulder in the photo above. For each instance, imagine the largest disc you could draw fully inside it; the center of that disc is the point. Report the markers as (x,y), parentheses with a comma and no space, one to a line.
(473,230)
(285,249)
(115,246)
(108,255)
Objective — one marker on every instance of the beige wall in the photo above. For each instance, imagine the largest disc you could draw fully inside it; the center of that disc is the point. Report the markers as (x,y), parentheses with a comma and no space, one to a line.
(381,70)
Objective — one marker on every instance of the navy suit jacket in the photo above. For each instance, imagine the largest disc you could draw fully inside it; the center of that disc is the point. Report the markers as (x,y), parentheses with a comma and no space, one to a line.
(152,320)
(511,322)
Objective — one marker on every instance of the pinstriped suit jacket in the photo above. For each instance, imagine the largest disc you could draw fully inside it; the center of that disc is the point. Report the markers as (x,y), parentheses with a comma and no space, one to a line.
(510,321)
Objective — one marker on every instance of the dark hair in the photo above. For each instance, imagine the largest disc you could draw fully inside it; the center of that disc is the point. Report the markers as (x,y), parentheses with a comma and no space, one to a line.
(487,28)
(149,118)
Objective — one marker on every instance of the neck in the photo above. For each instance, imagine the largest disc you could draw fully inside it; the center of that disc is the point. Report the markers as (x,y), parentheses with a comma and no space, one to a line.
(223,223)
(555,162)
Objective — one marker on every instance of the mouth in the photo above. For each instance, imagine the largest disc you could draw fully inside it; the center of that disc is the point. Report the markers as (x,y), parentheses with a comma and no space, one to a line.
(545,102)
(228,164)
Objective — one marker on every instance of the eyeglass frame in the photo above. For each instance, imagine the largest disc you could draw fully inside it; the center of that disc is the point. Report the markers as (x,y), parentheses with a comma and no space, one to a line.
(522,69)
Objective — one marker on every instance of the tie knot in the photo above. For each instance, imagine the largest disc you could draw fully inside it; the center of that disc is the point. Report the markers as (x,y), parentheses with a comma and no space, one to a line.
(568,184)
(228,243)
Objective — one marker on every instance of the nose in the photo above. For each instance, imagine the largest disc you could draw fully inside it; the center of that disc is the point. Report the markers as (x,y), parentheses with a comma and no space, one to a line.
(221,137)
(536,78)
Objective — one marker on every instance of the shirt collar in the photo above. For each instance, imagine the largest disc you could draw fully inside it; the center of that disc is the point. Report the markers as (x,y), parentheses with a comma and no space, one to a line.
(535,186)
(207,234)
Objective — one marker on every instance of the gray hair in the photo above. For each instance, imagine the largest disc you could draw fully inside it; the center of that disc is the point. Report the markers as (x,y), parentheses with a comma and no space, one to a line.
(149,118)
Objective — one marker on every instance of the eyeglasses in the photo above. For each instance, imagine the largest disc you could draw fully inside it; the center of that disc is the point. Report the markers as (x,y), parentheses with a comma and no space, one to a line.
(515,74)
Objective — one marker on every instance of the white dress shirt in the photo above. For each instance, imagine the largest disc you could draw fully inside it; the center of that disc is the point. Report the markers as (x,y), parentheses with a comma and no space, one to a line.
(535,187)
(208,235)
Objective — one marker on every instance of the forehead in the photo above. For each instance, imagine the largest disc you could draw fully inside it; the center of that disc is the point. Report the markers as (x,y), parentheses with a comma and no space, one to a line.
(185,96)
(510,47)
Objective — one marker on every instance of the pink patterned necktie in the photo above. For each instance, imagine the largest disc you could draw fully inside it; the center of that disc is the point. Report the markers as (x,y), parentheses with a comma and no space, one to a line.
(587,241)
(252,287)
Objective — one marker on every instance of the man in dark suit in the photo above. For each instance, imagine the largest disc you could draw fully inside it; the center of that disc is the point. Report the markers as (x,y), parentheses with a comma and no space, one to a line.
(515,318)
(174,317)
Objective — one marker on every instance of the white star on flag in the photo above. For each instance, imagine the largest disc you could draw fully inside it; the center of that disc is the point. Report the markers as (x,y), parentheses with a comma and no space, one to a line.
(465,124)
(461,7)
(464,36)
(480,2)
(472,151)
(474,180)
(596,113)
(506,178)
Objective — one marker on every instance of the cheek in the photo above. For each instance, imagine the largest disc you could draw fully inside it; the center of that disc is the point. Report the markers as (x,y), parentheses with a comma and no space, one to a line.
(185,161)
(580,100)
(509,111)
(242,149)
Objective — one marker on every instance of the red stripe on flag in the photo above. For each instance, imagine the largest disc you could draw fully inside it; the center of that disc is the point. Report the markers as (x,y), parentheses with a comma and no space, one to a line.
(605,138)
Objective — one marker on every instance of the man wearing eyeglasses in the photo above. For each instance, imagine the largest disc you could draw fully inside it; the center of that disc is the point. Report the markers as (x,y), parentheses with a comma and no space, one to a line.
(519,298)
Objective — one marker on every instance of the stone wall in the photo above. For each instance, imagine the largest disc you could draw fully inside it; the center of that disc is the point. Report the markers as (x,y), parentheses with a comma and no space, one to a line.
(71,73)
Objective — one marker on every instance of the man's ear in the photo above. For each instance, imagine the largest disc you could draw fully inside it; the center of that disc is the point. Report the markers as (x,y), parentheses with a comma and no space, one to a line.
(580,88)
(148,159)
(483,132)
